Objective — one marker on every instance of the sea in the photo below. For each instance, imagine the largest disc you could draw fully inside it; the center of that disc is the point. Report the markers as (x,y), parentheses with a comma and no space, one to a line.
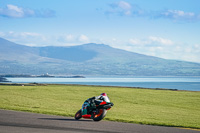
(179,83)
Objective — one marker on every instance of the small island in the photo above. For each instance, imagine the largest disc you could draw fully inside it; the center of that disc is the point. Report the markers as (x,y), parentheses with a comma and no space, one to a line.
(2,79)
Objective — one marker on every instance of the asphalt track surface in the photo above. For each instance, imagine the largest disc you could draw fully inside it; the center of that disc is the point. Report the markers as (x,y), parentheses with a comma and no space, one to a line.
(23,122)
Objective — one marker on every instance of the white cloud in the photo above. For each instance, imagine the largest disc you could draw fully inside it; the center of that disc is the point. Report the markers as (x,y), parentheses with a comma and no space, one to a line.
(120,8)
(188,53)
(160,40)
(163,48)
(83,38)
(26,38)
(20,35)
(151,41)
(65,38)
(69,37)
(14,8)
(2,34)
(136,41)
(124,5)
(179,52)
(13,11)
(179,15)
(36,39)
(124,8)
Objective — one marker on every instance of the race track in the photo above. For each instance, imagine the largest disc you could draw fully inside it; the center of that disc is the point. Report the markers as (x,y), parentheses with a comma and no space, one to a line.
(23,122)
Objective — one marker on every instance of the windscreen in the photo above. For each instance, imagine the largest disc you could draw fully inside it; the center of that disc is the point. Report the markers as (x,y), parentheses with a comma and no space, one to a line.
(106,99)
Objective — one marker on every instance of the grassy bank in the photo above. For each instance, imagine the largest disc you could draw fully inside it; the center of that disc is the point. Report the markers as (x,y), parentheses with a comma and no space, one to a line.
(144,106)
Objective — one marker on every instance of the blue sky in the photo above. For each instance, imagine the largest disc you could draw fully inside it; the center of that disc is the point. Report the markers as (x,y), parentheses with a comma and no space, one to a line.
(168,29)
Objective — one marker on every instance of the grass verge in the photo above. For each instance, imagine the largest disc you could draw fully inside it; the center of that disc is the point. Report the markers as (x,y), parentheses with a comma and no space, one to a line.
(132,105)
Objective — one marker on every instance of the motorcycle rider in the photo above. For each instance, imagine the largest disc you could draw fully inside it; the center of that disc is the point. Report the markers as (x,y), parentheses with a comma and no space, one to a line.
(93,101)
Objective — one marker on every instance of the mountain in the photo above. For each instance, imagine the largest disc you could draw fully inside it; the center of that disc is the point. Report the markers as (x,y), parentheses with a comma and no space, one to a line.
(87,59)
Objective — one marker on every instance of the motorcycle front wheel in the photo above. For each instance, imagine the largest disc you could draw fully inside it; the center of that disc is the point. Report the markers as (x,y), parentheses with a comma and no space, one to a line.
(101,114)
(78,115)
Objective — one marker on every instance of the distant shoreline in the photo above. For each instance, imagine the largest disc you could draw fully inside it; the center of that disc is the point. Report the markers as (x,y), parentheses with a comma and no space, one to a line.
(43,84)
(182,83)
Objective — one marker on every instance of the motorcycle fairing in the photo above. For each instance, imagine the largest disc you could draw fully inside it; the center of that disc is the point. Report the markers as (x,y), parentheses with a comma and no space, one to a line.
(84,108)
(86,116)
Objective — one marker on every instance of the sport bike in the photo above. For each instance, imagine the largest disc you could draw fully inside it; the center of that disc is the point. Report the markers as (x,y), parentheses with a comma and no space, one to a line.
(97,113)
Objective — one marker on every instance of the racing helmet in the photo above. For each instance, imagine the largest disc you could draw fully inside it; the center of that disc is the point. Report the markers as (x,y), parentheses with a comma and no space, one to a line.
(103,94)
(104,97)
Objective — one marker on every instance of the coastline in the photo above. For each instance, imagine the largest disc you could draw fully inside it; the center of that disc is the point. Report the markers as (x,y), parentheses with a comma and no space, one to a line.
(43,84)
(174,83)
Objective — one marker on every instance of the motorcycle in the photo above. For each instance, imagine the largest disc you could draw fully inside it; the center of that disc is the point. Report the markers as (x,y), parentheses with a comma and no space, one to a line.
(97,113)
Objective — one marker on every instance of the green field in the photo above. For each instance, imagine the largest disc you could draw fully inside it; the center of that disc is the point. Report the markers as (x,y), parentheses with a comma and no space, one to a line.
(143,106)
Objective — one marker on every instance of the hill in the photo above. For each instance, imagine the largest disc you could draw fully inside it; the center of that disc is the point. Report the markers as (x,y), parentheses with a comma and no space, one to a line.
(87,59)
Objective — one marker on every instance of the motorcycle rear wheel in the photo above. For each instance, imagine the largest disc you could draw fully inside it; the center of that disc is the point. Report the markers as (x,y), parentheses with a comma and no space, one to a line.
(78,115)
(100,115)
